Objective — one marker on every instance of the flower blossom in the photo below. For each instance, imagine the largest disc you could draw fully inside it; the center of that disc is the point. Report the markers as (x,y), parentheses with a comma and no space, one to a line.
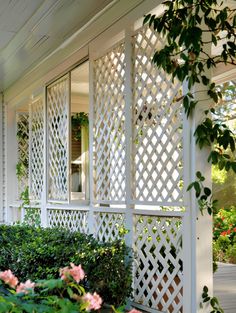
(134,311)
(76,272)
(224,233)
(94,301)
(9,278)
(24,287)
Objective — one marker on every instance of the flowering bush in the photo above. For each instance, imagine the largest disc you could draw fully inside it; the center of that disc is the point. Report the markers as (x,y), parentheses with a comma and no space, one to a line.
(224,235)
(64,295)
(225,223)
(38,253)
(56,295)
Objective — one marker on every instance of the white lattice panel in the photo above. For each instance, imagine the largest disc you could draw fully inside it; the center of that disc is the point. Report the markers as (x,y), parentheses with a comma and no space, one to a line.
(36,149)
(108,226)
(23,150)
(74,220)
(157,126)
(109,139)
(58,149)
(158,276)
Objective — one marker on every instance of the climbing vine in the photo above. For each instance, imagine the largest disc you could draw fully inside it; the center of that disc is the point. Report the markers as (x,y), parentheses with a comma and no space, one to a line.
(188,27)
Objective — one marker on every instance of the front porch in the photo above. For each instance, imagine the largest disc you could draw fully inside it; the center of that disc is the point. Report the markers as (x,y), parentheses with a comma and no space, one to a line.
(125,168)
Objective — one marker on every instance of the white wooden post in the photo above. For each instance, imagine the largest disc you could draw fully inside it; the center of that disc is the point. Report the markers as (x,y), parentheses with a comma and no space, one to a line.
(11,161)
(201,225)
(128,137)
(187,239)
(91,174)
(1,159)
(43,216)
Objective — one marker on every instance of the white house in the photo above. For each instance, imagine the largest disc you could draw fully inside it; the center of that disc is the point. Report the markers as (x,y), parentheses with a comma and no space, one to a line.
(67,62)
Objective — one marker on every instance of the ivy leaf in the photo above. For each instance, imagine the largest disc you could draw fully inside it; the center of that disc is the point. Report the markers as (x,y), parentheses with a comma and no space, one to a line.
(207,191)
(233,166)
(197,188)
(146,18)
(190,186)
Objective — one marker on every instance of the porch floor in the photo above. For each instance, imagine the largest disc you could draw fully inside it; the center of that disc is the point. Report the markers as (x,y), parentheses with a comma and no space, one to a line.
(225,286)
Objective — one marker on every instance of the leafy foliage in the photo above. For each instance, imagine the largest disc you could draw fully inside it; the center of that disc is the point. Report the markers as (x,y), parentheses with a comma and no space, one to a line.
(224,235)
(79,120)
(37,253)
(65,294)
(203,194)
(185,56)
(213,301)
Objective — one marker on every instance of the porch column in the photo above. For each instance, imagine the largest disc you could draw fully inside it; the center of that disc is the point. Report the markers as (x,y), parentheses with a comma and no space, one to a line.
(200,224)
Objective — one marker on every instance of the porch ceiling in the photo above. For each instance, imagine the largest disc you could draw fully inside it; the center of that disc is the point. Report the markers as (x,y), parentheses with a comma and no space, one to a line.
(30,30)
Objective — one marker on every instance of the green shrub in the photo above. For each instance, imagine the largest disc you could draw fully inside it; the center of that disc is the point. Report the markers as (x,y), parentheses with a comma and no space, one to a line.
(215,258)
(38,253)
(220,247)
(231,254)
(65,294)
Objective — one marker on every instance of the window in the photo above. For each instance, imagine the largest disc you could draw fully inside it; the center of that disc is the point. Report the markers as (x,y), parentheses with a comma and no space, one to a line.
(79,167)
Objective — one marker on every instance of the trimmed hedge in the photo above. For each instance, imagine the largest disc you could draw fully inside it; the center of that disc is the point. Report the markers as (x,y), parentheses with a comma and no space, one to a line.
(39,253)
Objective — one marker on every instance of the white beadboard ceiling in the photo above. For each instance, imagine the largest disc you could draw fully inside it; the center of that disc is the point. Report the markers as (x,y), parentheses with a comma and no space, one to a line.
(32,29)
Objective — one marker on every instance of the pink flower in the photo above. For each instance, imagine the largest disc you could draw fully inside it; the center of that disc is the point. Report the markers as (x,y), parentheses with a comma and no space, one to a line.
(65,272)
(76,272)
(9,278)
(94,301)
(24,287)
(134,311)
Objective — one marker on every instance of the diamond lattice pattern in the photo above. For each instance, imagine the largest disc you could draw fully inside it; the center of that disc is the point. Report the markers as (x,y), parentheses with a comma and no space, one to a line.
(157,126)
(109,139)
(108,226)
(57,112)
(158,276)
(23,151)
(74,220)
(36,150)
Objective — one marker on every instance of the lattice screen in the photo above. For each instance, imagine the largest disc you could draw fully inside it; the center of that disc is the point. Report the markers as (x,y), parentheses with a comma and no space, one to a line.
(108,226)
(58,148)
(158,278)
(23,151)
(157,126)
(109,118)
(36,149)
(74,220)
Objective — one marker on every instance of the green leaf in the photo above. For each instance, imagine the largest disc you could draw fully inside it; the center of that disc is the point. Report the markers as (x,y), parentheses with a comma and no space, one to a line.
(205,80)
(198,175)
(233,166)
(197,188)
(207,191)
(232,144)
(190,186)
(70,292)
(146,18)
(209,210)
